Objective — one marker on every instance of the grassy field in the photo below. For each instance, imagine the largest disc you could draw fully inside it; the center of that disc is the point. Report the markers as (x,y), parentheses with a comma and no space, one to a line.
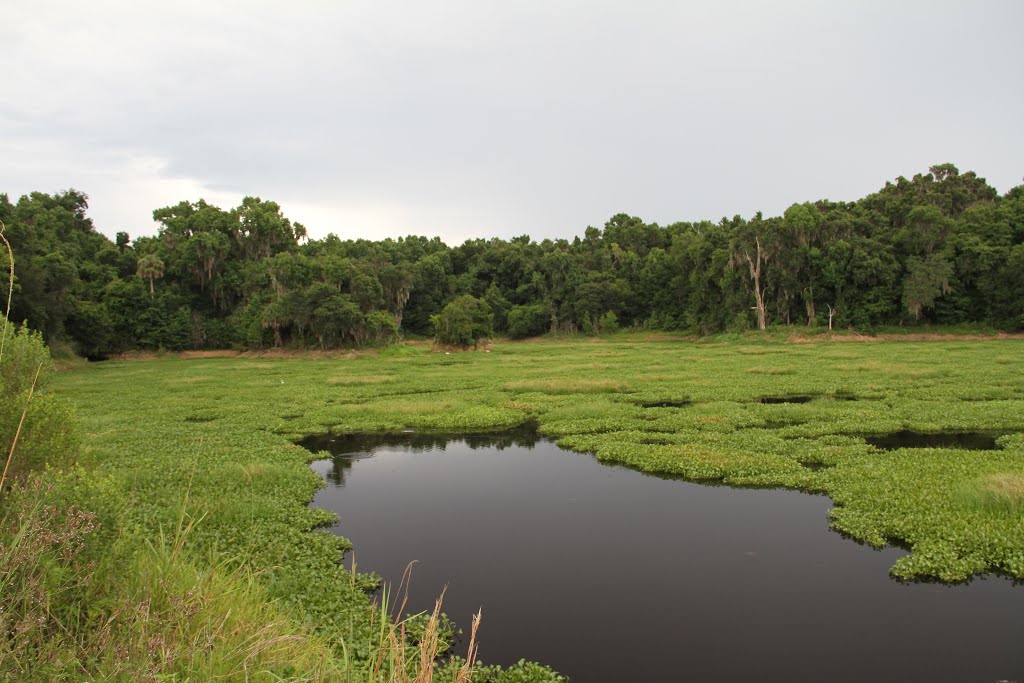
(206,445)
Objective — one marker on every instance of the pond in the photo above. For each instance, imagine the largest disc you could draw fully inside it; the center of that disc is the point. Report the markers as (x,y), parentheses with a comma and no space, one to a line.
(607,574)
(906,438)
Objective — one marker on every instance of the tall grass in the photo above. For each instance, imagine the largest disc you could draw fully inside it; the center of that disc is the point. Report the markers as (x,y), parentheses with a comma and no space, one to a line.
(21,423)
(153,612)
(1001,493)
(127,615)
(150,610)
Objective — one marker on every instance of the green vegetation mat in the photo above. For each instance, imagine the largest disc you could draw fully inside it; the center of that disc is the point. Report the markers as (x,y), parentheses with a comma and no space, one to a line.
(211,439)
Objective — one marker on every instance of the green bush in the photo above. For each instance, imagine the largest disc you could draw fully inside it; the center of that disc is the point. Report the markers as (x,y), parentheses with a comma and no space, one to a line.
(608,323)
(463,322)
(381,327)
(46,435)
(527,321)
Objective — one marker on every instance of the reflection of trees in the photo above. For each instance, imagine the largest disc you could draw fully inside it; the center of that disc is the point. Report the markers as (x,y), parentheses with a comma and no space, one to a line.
(345,448)
(340,465)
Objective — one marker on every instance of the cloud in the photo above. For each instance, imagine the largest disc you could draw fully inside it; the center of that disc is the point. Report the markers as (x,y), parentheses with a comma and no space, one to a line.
(476,119)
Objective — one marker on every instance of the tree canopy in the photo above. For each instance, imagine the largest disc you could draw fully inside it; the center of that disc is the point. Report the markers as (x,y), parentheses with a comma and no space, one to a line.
(940,248)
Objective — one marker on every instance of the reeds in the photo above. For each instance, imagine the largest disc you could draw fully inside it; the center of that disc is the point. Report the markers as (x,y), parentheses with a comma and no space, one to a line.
(409,655)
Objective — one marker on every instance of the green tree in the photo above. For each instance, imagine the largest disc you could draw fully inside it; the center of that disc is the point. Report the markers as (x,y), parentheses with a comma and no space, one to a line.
(926,280)
(527,321)
(335,318)
(150,267)
(749,250)
(463,322)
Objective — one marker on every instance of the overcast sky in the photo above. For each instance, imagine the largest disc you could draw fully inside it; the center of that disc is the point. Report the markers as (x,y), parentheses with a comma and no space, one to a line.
(479,119)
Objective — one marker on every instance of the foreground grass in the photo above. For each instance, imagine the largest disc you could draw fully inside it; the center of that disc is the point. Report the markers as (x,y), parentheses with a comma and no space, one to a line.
(221,429)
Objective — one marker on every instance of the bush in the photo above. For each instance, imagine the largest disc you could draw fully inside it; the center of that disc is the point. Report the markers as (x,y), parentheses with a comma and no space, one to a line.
(47,432)
(608,323)
(381,327)
(463,322)
(527,321)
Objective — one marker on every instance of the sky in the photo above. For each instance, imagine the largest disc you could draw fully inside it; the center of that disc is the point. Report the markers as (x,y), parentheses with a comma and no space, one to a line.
(487,119)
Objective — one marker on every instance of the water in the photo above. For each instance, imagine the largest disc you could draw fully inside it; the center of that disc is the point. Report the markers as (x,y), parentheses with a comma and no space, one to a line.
(610,575)
(971,441)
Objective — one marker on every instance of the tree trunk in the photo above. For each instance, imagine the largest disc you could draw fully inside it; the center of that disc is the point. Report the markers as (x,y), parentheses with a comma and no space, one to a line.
(755,275)
(762,318)
(197,330)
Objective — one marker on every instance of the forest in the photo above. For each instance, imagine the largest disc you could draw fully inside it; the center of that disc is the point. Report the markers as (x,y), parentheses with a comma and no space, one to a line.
(942,248)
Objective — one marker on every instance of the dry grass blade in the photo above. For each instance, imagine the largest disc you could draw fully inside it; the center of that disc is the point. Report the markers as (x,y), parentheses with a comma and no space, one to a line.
(430,643)
(403,588)
(465,674)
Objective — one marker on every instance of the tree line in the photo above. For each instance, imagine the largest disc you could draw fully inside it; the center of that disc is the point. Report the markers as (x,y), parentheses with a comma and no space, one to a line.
(941,248)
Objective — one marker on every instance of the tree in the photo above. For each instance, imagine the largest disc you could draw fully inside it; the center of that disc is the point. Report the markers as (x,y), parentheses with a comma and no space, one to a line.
(396,283)
(926,280)
(260,229)
(380,328)
(527,321)
(150,267)
(275,316)
(463,322)
(747,248)
(335,318)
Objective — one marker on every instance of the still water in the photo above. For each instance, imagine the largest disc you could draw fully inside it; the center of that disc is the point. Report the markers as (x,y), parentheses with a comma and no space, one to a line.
(607,574)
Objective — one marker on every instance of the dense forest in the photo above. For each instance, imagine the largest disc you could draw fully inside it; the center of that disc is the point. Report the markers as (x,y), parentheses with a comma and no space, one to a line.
(941,248)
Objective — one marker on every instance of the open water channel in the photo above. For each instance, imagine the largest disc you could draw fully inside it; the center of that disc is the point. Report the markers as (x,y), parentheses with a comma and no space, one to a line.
(607,574)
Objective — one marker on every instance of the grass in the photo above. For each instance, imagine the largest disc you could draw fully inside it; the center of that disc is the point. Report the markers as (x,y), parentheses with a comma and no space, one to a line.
(958,511)
(1001,493)
(567,386)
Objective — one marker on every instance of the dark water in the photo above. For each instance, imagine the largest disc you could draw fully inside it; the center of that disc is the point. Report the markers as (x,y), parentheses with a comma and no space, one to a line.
(971,441)
(666,404)
(785,399)
(610,575)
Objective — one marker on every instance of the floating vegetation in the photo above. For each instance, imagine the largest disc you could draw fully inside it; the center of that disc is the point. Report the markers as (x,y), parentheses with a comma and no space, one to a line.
(251,483)
(778,425)
(568,386)
(815,466)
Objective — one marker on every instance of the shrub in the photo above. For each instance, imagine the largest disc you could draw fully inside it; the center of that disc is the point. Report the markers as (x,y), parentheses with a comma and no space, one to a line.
(381,327)
(608,323)
(527,321)
(463,322)
(46,433)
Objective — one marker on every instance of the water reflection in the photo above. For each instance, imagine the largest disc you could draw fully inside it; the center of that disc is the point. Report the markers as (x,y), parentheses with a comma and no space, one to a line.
(969,441)
(610,575)
(347,448)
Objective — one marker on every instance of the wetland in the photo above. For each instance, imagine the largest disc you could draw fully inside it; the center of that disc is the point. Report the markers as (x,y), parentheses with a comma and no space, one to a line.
(690,525)
(577,564)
